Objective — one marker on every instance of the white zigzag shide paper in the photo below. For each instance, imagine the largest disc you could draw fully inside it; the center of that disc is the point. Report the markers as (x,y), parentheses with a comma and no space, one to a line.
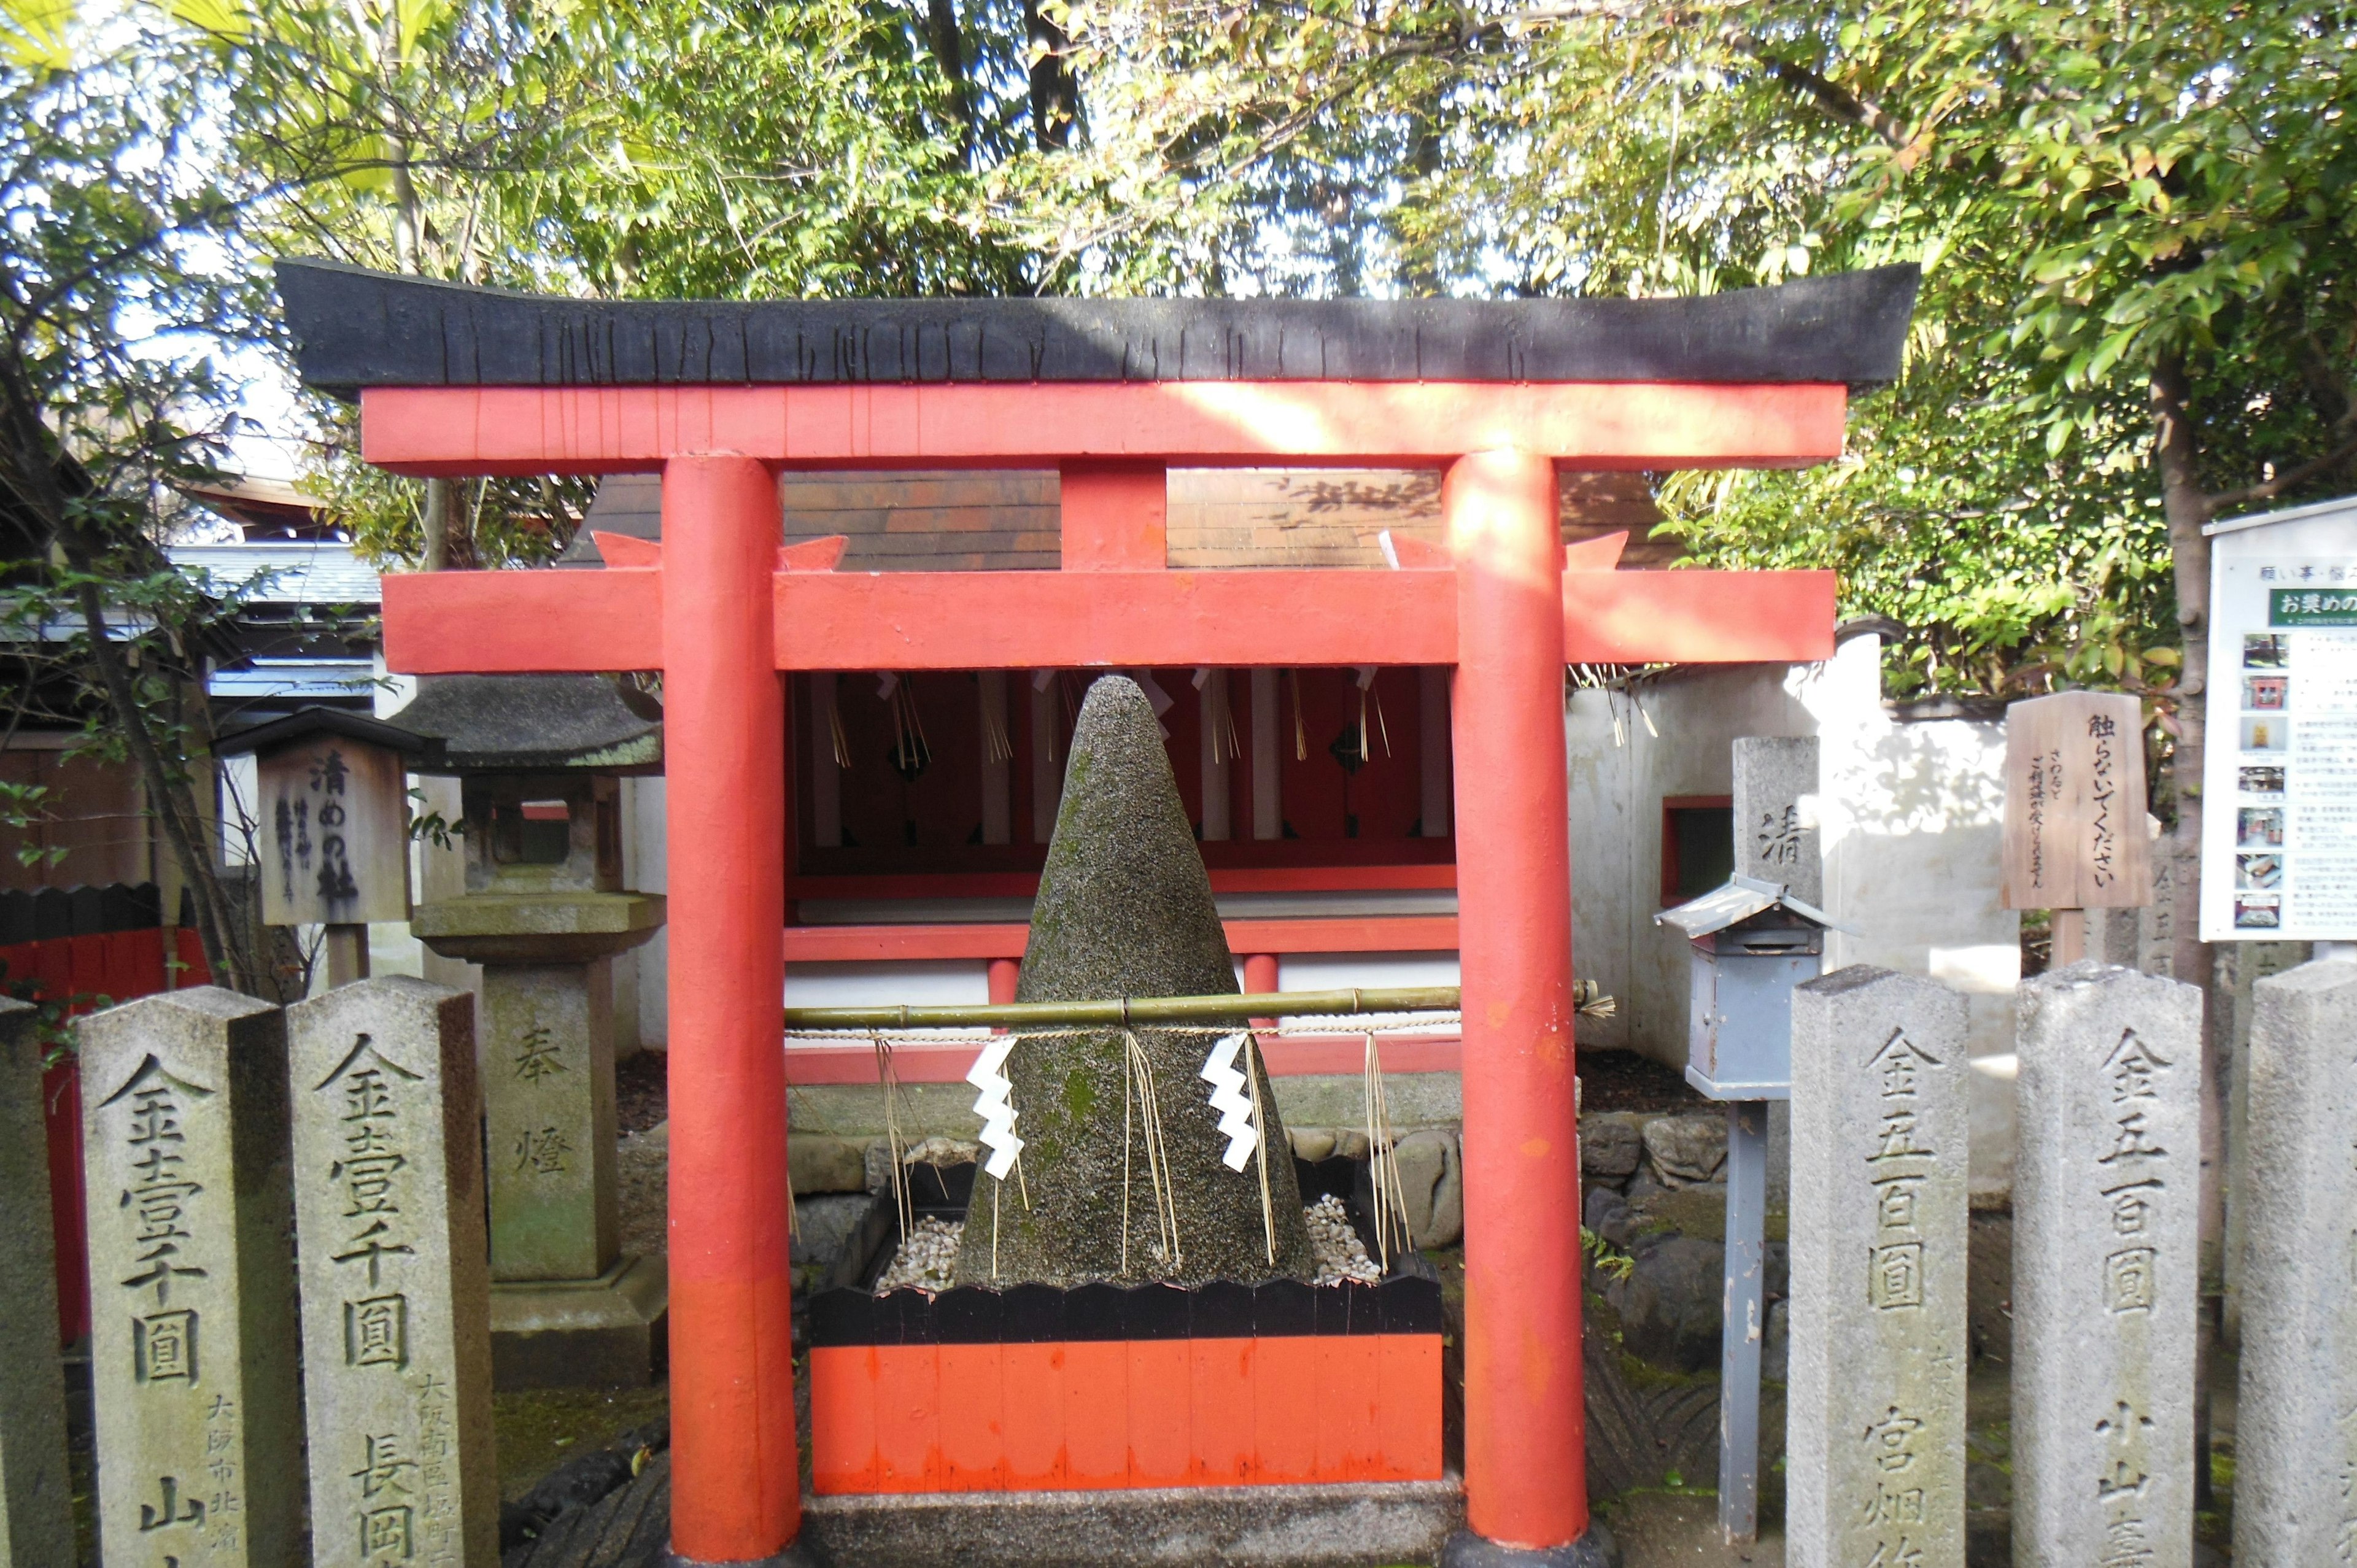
(1229,1100)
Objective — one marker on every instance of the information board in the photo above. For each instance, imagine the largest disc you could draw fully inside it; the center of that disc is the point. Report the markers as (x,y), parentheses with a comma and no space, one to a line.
(2279,829)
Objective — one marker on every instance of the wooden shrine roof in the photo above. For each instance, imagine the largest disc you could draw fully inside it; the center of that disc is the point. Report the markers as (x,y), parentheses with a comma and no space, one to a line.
(356,329)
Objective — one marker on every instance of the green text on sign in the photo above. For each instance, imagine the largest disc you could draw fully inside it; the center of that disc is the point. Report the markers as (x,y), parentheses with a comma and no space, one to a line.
(2313,606)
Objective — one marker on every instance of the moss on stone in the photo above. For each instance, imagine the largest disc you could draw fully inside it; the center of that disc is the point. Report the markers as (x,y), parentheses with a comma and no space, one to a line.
(1125,908)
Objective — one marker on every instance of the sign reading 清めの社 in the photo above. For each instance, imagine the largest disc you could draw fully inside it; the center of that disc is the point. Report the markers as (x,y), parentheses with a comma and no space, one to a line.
(2075,835)
(2279,836)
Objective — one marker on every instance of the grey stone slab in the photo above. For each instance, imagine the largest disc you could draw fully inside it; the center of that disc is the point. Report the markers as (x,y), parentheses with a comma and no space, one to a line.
(1349,1523)
(1776,836)
(1880,1246)
(193,1341)
(389,1223)
(548,1096)
(2296,1423)
(35,1494)
(2106,1268)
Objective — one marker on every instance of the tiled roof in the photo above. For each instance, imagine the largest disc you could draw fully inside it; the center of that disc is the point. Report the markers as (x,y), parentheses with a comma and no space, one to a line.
(302,572)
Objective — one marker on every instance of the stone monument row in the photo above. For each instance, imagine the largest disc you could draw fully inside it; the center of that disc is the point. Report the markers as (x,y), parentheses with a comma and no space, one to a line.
(192,1282)
(1875,1434)
(2106,1259)
(389,1223)
(35,1494)
(2296,1432)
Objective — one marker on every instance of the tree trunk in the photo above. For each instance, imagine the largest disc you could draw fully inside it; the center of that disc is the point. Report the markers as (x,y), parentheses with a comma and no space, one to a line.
(1055,91)
(2187,507)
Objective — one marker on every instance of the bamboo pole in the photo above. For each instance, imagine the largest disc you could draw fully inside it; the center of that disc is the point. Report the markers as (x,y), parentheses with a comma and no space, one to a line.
(1133,1011)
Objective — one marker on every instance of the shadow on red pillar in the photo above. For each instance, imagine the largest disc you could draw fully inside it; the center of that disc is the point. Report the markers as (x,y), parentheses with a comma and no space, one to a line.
(735,1494)
(1525,1464)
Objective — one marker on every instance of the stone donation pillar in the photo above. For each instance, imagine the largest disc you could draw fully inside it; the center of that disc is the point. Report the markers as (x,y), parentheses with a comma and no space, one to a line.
(36,1494)
(193,1340)
(2105,1268)
(388,1222)
(544,913)
(1875,1445)
(2296,1423)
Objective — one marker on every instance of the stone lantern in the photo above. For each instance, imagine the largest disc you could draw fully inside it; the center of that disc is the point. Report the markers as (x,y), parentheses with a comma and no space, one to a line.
(540,760)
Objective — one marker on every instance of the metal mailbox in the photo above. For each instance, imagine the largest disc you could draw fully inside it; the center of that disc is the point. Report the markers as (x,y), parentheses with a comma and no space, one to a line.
(1752,944)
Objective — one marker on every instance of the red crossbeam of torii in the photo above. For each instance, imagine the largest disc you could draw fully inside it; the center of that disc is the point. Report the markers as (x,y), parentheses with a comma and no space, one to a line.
(719,397)
(1137,613)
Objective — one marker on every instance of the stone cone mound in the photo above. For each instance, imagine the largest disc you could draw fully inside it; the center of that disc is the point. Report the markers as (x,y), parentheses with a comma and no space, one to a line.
(1125,909)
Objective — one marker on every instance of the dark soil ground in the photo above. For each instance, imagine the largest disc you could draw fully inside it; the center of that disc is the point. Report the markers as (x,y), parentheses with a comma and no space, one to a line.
(641,1091)
(1623,1080)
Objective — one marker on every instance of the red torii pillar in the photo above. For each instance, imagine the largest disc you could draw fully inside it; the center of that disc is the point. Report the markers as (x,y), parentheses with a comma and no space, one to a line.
(721,625)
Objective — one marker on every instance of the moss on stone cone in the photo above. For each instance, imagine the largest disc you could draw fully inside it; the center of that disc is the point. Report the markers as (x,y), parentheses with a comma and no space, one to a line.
(1125,909)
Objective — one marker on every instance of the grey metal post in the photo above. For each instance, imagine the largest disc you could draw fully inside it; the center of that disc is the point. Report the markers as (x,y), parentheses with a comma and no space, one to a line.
(1746,1320)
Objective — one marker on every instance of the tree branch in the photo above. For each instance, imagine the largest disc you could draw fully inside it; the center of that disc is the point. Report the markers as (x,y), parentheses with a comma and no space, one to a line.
(2289,479)
(1831,96)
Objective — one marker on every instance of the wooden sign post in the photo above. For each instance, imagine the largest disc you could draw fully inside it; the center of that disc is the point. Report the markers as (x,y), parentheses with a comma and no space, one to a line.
(333,835)
(2075,837)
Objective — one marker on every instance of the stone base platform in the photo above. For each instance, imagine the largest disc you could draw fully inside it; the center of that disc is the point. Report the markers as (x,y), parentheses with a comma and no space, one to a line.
(1362,1524)
(611,1331)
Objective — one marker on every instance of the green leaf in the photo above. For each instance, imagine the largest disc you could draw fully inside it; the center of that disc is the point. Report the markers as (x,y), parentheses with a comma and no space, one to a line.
(37,34)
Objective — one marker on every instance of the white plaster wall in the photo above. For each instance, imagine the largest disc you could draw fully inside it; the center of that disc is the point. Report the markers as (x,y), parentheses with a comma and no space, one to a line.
(646,868)
(1617,785)
(1912,815)
(1908,815)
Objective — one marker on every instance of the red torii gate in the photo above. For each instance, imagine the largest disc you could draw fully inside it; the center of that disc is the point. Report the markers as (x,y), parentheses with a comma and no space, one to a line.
(718,398)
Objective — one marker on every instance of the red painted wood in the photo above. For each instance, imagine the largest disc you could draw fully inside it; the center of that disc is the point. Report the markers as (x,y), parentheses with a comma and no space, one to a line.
(908,1420)
(1601,553)
(1285,1407)
(824,554)
(1350,1441)
(1615,426)
(856,944)
(1302,1055)
(626,550)
(1341,877)
(1006,975)
(1408,1418)
(1523,1422)
(1096,1413)
(1119,1414)
(69,1198)
(444,622)
(1220,1390)
(189,948)
(973,1427)
(843,1380)
(524,620)
(1116,517)
(1034,1417)
(1161,1412)
(735,1493)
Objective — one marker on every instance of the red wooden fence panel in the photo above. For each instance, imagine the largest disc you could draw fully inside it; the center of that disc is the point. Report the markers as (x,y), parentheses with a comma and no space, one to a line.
(78,972)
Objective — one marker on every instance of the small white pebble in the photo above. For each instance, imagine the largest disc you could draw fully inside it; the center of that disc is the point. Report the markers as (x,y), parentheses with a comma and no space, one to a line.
(928,1256)
(1334,1245)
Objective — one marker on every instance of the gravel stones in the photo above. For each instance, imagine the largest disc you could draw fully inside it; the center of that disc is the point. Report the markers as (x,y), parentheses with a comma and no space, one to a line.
(1125,909)
(1686,1150)
(927,1258)
(1335,1244)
